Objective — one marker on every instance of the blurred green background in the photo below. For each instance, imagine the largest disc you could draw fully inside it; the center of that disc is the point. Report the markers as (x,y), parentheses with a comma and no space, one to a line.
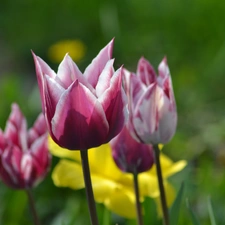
(191,33)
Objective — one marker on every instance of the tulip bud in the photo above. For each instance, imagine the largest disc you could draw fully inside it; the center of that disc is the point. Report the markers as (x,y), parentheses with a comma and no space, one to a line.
(24,156)
(151,102)
(82,110)
(130,155)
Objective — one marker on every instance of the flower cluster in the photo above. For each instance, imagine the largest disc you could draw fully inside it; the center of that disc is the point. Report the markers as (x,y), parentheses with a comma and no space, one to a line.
(24,156)
(122,117)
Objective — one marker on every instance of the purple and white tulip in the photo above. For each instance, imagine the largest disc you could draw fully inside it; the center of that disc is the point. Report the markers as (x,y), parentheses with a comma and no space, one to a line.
(151,102)
(24,156)
(82,110)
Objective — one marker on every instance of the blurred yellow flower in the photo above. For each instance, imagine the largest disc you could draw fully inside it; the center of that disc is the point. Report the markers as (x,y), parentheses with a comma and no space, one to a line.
(75,48)
(111,187)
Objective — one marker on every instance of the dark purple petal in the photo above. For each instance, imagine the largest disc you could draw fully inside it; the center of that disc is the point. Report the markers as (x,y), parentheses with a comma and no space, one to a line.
(130,155)
(79,121)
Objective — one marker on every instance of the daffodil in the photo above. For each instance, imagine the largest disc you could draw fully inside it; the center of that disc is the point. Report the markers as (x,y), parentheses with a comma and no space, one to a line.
(74,47)
(111,187)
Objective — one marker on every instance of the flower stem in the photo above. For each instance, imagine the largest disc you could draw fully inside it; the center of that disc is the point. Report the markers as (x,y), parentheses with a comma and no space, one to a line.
(161,186)
(32,207)
(88,187)
(138,204)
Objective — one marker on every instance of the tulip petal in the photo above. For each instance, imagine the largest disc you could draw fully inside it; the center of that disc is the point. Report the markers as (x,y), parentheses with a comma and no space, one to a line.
(163,69)
(93,71)
(79,121)
(68,72)
(113,102)
(16,128)
(10,165)
(104,78)
(167,118)
(68,174)
(39,150)
(37,130)
(53,92)
(42,69)
(134,89)
(146,72)
(26,168)
(145,117)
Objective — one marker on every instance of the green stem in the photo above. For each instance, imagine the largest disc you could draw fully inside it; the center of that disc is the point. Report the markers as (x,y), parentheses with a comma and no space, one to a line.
(166,220)
(138,204)
(32,207)
(88,187)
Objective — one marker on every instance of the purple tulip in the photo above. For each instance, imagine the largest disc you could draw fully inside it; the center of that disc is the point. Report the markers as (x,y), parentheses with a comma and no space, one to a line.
(131,155)
(82,110)
(24,156)
(151,102)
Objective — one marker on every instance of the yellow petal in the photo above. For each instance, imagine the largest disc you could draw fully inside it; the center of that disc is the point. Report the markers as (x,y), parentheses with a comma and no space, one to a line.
(68,174)
(148,185)
(102,187)
(58,151)
(168,166)
(176,167)
(122,202)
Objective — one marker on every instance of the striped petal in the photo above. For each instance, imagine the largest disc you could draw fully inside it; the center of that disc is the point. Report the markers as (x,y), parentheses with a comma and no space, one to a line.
(93,71)
(79,121)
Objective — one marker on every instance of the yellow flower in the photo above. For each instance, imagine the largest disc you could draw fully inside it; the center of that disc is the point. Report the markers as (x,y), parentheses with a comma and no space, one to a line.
(111,187)
(75,48)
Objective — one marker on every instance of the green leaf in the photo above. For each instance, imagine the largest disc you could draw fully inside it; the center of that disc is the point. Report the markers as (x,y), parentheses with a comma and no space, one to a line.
(194,219)
(106,217)
(175,208)
(150,212)
(211,214)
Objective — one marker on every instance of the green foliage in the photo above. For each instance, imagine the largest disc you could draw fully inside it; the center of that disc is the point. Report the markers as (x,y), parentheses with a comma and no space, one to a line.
(211,213)
(175,208)
(193,217)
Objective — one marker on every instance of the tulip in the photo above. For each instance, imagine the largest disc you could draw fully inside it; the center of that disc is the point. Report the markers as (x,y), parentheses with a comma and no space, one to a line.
(24,156)
(82,110)
(130,155)
(151,103)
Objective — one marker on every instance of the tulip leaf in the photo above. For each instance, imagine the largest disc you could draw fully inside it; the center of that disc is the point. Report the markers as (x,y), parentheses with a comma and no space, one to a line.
(211,213)
(194,219)
(150,212)
(106,216)
(175,208)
